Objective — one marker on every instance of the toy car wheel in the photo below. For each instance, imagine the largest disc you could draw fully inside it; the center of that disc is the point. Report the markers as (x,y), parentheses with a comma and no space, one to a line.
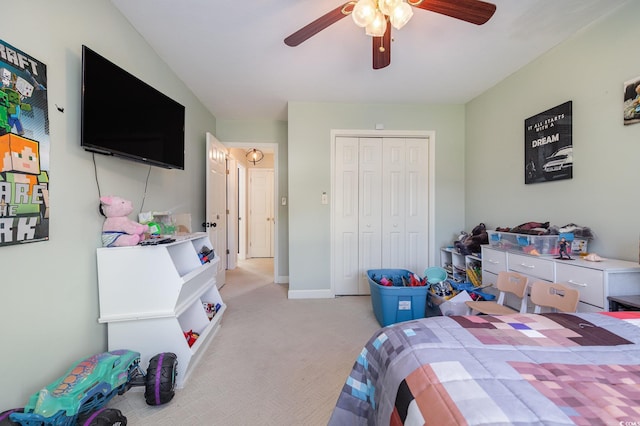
(161,379)
(6,421)
(104,417)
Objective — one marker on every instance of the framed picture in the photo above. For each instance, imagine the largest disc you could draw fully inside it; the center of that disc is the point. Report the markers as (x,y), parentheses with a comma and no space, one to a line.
(548,147)
(631,102)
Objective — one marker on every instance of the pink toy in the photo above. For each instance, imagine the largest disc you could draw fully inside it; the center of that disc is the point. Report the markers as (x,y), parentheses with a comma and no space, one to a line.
(118,230)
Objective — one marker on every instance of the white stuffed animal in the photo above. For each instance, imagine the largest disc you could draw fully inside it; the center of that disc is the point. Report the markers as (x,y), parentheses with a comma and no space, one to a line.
(118,230)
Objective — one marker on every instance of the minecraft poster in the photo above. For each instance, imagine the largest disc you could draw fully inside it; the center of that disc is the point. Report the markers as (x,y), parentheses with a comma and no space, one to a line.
(24,148)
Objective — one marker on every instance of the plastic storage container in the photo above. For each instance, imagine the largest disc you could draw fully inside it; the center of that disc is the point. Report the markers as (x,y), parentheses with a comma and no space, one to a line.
(397,303)
(577,246)
(538,245)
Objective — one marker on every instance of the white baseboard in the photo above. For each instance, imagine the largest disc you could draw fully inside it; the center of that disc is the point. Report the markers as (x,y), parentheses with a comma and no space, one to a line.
(311,294)
(282,279)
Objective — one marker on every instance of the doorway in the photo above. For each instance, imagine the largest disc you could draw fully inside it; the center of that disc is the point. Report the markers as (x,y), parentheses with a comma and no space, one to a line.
(241,214)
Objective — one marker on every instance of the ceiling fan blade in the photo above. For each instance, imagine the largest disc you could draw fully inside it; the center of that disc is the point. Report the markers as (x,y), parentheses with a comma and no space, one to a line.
(382,50)
(319,24)
(475,11)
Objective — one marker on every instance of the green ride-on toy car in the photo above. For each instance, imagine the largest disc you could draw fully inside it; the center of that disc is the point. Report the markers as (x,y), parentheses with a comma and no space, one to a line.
(80,396)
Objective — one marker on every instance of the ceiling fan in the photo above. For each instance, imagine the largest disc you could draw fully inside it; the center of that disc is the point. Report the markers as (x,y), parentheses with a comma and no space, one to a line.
(375,14)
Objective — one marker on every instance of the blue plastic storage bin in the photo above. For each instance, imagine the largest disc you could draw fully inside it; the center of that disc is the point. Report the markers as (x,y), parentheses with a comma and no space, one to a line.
(397,303)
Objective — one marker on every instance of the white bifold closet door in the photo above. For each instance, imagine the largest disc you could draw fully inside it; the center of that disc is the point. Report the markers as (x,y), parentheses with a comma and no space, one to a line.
(380,208)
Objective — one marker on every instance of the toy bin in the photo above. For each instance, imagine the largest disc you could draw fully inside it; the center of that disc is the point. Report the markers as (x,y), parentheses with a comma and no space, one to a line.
(537,245)
(396,303)
(577,246)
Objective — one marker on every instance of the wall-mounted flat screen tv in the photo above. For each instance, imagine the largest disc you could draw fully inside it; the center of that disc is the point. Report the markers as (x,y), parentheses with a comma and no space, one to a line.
(125,117)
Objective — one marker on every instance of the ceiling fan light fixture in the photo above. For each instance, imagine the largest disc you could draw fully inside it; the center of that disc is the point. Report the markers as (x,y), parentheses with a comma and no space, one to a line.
(401,15)
(387,6)
(378,27)
(364,12)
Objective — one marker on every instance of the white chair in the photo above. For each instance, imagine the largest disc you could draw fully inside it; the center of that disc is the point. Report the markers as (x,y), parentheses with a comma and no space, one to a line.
(553,295)
(508,282)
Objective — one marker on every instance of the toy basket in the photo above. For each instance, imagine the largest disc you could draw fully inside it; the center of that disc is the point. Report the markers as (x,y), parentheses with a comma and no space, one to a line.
(396,303)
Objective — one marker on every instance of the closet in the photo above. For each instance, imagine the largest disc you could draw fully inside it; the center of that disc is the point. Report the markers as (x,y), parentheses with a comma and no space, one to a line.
(380,208)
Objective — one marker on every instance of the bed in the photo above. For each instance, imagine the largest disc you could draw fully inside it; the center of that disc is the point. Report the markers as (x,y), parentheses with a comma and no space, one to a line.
(550,369)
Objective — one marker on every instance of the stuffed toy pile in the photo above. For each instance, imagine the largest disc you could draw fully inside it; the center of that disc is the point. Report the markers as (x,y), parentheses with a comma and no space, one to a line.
(118,230)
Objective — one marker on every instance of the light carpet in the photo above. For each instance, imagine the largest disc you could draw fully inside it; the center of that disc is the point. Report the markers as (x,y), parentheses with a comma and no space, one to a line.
(274,361)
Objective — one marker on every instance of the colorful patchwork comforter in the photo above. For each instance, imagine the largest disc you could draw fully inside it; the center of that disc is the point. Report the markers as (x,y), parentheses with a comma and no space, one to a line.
(549,369)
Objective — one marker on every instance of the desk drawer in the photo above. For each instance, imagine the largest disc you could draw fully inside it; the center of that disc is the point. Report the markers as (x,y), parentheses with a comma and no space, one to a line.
(534,267)
(590,282)
(494,261)
(489,278)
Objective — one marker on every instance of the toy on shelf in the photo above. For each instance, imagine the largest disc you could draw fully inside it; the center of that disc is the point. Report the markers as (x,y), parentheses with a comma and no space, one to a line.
(206,255)
(191,337)
(80,396)
(160,223)
(211,309)
(118,230)
(474,274)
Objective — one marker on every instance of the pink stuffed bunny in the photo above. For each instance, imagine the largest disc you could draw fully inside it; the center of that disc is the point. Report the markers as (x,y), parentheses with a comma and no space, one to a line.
(118,230)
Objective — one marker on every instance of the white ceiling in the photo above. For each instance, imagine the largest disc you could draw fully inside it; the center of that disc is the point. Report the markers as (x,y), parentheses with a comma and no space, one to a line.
(231,54)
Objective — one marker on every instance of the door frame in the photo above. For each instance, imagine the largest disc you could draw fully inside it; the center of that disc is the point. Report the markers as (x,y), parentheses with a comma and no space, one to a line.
(270,147)
(430,135)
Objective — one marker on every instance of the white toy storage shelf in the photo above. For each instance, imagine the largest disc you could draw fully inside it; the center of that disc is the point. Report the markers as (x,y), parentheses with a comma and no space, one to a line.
(151,295)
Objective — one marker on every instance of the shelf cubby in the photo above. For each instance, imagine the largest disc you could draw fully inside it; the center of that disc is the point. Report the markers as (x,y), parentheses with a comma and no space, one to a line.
(151,295)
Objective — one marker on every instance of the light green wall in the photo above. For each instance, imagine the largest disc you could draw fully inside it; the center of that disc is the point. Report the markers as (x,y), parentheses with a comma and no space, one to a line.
(265,131)
(49,290)
(590,70)
(310,125)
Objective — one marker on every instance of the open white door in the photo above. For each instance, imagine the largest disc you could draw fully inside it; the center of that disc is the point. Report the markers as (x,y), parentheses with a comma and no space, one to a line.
(216,202)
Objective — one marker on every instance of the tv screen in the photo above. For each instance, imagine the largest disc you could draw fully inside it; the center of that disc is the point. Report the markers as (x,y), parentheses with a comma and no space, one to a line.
(125,117)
